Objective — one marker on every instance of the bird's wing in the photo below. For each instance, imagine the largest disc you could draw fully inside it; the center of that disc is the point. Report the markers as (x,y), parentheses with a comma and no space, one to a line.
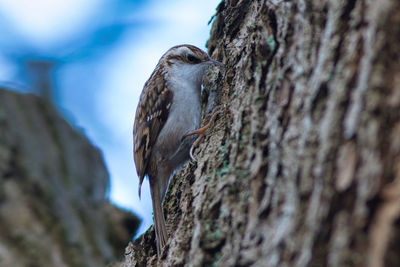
(151,115)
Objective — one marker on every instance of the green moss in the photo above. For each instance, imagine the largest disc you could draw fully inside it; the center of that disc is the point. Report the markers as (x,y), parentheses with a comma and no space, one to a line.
(271,43)
(252,27)
(212,240)
(222,172)
(217,257)
(217,234)
(233,95)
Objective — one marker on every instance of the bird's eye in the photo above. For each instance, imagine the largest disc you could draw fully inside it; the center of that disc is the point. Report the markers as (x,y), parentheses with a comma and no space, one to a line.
(192,59)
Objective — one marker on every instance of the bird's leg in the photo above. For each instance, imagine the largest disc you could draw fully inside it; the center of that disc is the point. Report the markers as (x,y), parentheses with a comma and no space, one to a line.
(202,131)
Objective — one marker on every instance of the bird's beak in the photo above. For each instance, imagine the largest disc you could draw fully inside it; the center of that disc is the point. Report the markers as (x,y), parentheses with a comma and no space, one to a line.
(215,63)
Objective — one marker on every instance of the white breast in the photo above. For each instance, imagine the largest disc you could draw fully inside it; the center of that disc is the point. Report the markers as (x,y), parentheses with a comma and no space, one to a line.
(185,112)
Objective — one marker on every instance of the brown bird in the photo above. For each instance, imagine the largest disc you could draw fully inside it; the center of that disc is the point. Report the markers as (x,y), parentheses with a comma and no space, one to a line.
(167,116)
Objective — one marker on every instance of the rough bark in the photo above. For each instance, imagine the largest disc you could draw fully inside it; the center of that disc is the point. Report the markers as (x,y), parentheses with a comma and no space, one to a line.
(53,210)
(303,167)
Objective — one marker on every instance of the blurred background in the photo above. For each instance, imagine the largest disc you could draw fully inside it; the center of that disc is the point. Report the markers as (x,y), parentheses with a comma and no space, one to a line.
(92,58)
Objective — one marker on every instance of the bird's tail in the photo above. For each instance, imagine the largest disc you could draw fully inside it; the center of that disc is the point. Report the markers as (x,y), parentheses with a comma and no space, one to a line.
(159,221)
(140,185)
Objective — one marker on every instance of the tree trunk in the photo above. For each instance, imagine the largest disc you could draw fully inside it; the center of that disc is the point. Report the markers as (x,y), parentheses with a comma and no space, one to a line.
(53,211)
(303,166)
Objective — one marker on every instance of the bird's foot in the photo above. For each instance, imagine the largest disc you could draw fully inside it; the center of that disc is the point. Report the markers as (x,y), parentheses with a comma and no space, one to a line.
(209,120)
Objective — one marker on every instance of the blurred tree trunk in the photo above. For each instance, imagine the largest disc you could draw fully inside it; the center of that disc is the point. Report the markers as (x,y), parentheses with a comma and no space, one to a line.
(303,167)
(53,181)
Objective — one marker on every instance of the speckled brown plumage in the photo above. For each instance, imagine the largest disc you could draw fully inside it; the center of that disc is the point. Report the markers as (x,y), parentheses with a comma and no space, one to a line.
(169,107)
(151,115)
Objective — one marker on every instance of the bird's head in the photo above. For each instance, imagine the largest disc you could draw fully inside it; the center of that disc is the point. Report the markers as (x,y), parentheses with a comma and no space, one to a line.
(188,62)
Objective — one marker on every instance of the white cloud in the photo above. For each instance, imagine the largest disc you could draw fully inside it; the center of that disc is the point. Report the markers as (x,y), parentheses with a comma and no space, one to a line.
(43,21)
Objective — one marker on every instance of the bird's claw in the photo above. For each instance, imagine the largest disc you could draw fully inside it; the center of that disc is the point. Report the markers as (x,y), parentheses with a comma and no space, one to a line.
(201,131)
(191,154)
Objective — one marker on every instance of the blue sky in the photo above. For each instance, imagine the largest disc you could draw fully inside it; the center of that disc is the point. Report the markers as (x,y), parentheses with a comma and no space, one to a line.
(102,52)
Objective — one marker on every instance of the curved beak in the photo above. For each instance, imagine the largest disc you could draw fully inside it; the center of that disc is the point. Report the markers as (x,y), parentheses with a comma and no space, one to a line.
(215,63)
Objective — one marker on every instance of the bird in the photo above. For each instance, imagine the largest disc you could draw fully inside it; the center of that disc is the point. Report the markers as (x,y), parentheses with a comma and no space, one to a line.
(167,120)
